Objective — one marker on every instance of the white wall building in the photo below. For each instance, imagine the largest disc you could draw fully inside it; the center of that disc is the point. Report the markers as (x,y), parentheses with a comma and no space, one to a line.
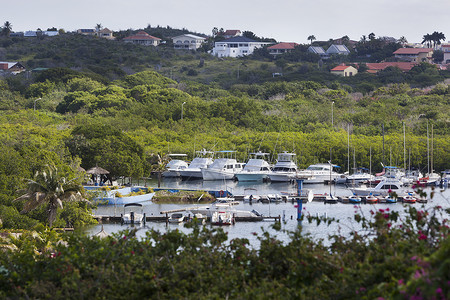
(236,46)
(188,42)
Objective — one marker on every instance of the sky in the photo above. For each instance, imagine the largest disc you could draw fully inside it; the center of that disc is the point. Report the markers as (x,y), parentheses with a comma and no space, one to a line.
(283,20)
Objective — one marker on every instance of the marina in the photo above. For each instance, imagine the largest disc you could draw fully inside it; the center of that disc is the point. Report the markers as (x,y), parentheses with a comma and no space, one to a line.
(284,212)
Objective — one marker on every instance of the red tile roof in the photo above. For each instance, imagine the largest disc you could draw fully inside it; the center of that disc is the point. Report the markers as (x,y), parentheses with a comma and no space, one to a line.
(340,68)
(283,46)
(413,51)
(231,32)
(141,35)
(404,66)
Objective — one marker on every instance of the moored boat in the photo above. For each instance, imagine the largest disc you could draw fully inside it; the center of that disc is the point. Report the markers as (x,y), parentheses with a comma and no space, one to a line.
(285,169)
(371,199)
(222,218)
(194,170)
(222,168)
(256,169)
(354,199)
(174,166)
(132,214)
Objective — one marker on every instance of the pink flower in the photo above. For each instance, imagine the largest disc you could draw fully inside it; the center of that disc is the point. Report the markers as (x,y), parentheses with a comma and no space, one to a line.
(401,282)
(389,225)
(422,237)
(438,291)
(132,252)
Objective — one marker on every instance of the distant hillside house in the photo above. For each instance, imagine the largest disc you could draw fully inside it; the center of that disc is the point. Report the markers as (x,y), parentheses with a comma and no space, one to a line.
(416,55)
(281,48)
(338,49)
(143,38)
(231,33)
(90,32)
(31,33)
(376,67)
(105,33)
(11,67)
(345,71)
(236,47)
(319,51)
(446,50)
(188,42)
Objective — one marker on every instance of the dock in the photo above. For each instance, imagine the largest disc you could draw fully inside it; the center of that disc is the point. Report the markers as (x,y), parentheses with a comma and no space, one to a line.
(165,218)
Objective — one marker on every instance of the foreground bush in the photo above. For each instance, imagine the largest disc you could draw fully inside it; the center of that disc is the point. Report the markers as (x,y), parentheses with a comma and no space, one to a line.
(396,256)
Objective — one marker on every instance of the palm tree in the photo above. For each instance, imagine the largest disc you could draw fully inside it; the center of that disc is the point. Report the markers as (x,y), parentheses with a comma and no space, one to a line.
(311,38)
(371,36)
(436,38)
(50,188)
(7,27)
(427,39)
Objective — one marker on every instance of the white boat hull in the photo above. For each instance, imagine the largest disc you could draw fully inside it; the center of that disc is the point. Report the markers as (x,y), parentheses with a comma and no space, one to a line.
(281,176)
(191,173)
(211,174)
(251,176)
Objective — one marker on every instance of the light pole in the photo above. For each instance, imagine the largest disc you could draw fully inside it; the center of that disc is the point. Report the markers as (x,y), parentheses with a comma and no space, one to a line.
(332,117)
(182,109)
(34,106)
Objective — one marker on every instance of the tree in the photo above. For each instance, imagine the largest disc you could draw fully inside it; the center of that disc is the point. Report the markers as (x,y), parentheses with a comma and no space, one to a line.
(7,27)
(50,188)
(98,27)
(436,38)
(311,38)
(371,36)
(427,39)
(402,40)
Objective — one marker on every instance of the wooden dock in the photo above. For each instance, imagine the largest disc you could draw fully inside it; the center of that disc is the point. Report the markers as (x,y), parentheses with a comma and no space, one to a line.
(165,219)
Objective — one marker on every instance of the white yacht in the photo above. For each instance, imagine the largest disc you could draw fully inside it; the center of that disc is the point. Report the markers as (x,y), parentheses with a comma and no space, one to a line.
(285,169)
(256,169)
(133,214)
(194,170)
(383,188)
(174,166)
(222,168)
(222,204)
(318,173)
(360,176)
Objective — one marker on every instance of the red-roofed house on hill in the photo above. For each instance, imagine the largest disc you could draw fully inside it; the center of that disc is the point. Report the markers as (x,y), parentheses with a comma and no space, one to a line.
(143,38)
(231,33)
(281,48)
(416,55)
(345,71)
(11,67)
(376,67)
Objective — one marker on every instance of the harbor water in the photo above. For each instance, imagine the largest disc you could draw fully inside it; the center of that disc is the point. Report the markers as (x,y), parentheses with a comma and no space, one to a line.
(287,211)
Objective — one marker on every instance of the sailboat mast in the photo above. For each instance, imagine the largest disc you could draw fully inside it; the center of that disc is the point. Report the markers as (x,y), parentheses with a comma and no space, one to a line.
(348,149)
(432,140)
(404,146)
(428,151)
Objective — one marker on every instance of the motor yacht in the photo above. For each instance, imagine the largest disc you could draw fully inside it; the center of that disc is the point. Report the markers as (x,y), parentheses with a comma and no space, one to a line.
(256,169)
(318,173)
(202,160)
(222,168)
(383,188)
(174,166)
(285,169)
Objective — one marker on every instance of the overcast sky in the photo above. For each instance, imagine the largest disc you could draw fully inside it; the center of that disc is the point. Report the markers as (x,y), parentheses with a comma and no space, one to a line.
(284,20)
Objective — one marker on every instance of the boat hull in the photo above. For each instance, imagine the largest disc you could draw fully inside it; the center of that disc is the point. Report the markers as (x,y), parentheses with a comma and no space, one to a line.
(209,174)
(251,176)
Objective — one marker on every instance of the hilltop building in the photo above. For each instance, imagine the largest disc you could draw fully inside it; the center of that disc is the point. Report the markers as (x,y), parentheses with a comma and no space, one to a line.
(319,51)
(231,33)
(281,48)
(11,67)
(338,49)
(416,55)
(236,47)
(188,42)
(344,70)
(142,38)
(376,67)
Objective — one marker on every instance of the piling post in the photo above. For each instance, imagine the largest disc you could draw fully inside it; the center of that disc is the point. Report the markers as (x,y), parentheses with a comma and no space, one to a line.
(299,200)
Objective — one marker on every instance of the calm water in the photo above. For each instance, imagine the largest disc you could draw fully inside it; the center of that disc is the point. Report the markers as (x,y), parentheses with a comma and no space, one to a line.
(287,211)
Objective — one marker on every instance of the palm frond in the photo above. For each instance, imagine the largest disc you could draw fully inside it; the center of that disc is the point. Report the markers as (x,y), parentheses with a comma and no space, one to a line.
(35,200)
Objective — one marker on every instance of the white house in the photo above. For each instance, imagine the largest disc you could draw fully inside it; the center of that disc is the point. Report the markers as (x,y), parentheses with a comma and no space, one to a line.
(188,42)
(236,46)
(338,49)
(446,50)
(11,67)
